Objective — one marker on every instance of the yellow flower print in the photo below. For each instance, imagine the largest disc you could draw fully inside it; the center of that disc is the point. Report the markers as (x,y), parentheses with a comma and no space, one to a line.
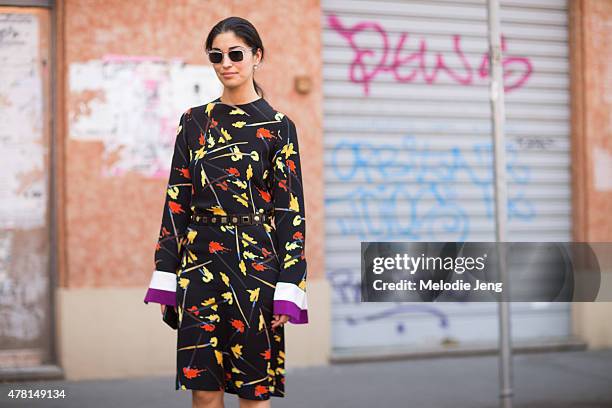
(279,116)
(216,210)
(213,341)
(183,283)
(254,294)
(211,141)
(229,296)
(209,108)
(249,239)
(238,383)
(237,111)
(214,318)
(189,257)
(226,134)
(191,235)
(236,153)
(239,124)
(208,276)
(237,350)
(209,301)
(200,153)
(225,279)
(173,192)
(219,356)
(288,150)
(279,164)
(249,172)
(293,203)
(297,220)
(242,199)
(290,246)
(289,261)
(249,255)
(240,183)
(242,267)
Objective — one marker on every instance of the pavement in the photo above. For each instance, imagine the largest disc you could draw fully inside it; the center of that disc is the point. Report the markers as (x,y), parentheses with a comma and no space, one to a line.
(576,379)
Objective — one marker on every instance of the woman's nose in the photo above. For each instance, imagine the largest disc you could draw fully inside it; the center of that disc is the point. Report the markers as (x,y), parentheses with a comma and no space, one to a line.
(227,62)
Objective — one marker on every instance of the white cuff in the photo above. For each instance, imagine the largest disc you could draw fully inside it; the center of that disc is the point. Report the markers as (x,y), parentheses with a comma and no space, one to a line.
(163,281)
(292,293)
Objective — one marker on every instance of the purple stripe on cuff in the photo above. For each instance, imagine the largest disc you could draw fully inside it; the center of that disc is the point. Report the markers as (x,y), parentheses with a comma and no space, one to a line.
(296,315)
(163,297)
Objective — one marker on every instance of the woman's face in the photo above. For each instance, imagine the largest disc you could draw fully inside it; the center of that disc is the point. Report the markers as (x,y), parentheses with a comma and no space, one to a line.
(234,74)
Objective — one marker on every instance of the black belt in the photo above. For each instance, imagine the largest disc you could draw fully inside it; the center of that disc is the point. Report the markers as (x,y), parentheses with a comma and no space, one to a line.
(232,219)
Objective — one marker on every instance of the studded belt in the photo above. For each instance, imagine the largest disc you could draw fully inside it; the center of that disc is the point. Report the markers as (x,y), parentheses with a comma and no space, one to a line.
(232,219)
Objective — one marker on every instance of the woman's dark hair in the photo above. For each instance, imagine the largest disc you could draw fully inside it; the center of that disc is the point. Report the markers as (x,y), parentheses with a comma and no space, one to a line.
(243,29)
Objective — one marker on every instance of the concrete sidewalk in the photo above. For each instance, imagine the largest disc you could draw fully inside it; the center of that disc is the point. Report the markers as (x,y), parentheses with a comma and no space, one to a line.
(577,379)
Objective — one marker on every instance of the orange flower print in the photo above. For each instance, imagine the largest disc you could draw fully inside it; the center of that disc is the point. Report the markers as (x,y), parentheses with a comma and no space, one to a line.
(265,195)
(223,185)
(233,171)
(291,165)
(263,133)
(283,184)
(215,246)
(175,207)
(266,354)
(238,325)
(208,327)
(201,139)
(298,235)
(184,172)
(258,267)
(260,389)
(194,310)
(191,372)
(165,232)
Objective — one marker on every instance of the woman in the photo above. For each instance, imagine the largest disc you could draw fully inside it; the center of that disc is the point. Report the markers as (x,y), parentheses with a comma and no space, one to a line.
(230,255)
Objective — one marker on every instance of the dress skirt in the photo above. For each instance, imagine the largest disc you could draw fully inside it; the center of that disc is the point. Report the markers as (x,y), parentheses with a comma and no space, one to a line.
(224,338)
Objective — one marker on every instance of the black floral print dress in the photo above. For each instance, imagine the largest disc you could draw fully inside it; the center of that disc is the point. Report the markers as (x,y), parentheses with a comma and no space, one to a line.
(226,281)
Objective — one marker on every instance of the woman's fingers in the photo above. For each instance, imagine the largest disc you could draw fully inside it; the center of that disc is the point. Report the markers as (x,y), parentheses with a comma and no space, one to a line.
(279,320)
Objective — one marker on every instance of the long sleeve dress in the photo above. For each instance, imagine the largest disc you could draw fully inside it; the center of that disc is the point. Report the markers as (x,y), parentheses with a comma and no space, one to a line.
(227,281)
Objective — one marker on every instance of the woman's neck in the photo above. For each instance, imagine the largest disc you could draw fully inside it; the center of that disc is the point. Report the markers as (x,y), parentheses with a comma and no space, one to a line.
(238,97)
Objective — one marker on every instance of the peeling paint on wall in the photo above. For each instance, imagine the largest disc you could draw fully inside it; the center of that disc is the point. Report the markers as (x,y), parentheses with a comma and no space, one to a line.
(22,180)
(132,105)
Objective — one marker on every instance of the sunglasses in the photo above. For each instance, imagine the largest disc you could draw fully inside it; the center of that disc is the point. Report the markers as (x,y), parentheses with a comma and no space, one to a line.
(235,55)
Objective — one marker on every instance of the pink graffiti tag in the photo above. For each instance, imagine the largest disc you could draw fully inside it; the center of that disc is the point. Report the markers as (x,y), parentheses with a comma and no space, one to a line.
(391,60)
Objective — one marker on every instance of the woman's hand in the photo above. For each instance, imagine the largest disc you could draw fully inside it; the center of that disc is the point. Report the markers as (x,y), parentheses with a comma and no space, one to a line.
(163,308)
(279,320)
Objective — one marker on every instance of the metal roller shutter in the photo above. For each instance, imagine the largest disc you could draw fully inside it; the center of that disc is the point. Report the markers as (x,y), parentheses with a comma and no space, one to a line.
(408,152)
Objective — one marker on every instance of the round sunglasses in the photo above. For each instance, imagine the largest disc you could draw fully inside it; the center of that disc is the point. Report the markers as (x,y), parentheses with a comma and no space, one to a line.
(235,55)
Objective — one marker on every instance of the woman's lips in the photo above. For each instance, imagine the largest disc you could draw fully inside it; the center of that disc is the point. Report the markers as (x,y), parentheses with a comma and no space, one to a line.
(229,74)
